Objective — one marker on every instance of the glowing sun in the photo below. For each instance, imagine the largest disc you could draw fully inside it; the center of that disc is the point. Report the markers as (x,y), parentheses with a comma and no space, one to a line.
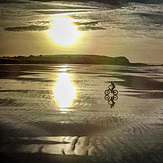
(63,31)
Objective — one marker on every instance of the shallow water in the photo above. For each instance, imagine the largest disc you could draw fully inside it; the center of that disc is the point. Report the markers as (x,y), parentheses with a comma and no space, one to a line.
(59,113)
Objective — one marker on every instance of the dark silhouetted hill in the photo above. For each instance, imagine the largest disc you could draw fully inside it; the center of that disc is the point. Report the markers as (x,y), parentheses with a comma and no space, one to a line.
(67,59)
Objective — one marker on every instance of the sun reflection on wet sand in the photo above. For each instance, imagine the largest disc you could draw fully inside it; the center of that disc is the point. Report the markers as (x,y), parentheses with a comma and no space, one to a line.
(64,90)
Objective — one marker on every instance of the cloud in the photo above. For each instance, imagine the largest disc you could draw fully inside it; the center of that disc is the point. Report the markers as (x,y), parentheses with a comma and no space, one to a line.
(146,1)
(82,26)
(59,12)
(153,18)
(43,22)
(28,28)
(86,23)
(86,26)
(13,1)
(112,2)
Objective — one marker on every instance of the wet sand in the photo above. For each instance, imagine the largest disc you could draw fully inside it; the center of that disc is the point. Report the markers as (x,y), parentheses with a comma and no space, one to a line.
(34,129)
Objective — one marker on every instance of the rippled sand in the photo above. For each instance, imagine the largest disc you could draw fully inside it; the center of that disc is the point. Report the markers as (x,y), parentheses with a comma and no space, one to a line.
(34,128)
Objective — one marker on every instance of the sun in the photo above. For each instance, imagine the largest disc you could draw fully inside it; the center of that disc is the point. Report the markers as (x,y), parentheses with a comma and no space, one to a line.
(63,31)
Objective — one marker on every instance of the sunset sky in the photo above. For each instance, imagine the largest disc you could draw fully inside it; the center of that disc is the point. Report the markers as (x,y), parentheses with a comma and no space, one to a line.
(134,30)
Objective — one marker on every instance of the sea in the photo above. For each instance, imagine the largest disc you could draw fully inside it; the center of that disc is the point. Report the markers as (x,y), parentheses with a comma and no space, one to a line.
(81,113)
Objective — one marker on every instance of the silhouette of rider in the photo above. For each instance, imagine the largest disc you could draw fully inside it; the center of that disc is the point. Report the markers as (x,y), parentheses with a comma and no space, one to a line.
(111,102)
(112,86)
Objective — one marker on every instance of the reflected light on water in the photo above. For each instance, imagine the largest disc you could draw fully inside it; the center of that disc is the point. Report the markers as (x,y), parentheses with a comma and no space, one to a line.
(64,91)
(63,31)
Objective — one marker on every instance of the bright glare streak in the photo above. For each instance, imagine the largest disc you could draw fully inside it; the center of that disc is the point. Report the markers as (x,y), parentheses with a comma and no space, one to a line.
(64,90)
(63,69)
(63,32)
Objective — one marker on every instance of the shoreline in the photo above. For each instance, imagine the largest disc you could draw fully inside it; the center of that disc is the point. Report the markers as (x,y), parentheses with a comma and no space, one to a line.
(69,59)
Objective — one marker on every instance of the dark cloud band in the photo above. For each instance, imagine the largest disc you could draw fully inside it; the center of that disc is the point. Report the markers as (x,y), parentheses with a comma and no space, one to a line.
(82,26)
(28,28)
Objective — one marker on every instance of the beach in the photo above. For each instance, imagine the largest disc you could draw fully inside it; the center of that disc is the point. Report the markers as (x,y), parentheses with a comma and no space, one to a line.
(59,113)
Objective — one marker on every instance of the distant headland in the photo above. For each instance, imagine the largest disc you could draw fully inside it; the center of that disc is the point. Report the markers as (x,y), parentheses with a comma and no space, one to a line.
(68,59)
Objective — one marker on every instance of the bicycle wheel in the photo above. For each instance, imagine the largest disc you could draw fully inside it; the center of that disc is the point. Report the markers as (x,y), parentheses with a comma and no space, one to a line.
(107,92)
(106,97)
(115,92)
(115,97)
